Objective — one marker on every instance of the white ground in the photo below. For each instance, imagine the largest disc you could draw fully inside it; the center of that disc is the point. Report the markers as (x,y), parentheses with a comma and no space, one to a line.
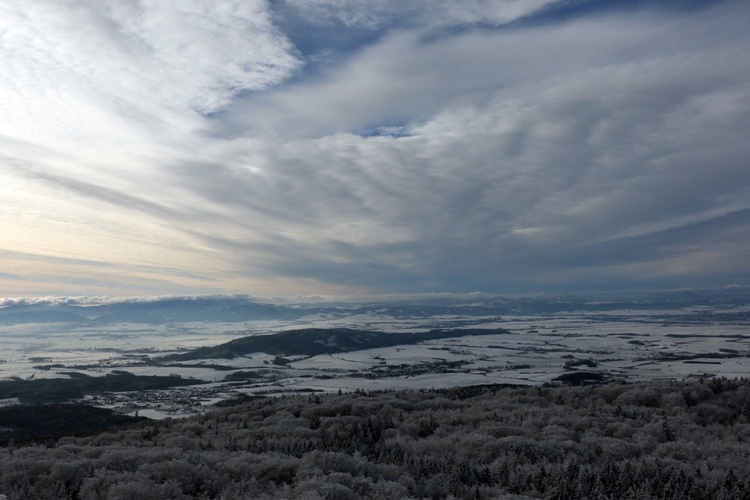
(625,344)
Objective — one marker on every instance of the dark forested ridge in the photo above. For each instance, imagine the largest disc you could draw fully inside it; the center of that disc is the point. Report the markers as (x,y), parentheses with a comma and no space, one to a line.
(22,423)
(315,341)
(688,439)
(58,390)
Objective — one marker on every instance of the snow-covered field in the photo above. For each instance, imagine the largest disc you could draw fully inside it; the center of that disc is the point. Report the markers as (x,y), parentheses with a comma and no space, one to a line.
(626,345)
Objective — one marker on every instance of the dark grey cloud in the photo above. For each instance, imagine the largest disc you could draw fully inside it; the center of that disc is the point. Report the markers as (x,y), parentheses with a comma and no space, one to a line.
(564,148)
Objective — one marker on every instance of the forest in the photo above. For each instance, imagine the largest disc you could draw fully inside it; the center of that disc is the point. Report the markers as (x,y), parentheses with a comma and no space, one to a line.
(59,390)
(315,341)
(661,439)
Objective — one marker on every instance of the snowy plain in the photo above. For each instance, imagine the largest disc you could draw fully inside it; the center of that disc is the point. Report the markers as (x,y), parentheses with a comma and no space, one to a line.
(529,349)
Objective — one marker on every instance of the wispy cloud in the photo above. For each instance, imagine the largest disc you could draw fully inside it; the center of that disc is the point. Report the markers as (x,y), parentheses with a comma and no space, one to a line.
(462,146)
(421,13)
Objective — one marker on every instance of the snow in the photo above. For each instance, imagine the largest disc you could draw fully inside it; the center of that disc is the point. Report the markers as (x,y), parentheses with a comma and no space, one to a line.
(627,344)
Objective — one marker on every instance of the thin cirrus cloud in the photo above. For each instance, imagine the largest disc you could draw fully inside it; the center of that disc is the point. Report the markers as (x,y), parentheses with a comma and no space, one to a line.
(372,147)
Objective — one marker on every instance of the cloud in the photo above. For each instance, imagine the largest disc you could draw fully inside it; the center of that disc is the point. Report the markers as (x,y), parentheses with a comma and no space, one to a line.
(84,300)
(111,72)
(187,54)
(404,77)
(182,146)
(379,13)
(557,149)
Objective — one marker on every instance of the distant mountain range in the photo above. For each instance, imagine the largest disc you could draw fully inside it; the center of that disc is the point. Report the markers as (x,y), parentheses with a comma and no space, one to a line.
(225,308)
(158,311)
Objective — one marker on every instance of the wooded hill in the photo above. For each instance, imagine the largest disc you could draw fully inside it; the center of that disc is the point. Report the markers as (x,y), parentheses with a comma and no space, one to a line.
(59,390)
(20,424)
(316,341)
(687,439)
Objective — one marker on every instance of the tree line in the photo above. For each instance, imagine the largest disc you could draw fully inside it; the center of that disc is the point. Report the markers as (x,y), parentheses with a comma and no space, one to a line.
(666,439)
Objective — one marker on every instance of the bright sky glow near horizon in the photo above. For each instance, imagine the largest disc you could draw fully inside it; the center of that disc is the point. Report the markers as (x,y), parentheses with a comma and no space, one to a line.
(367,147)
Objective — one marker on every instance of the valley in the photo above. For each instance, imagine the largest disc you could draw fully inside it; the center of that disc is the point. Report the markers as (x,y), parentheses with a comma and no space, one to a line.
(518,343)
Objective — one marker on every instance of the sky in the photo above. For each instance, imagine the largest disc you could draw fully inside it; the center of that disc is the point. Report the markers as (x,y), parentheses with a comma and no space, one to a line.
(287,147)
